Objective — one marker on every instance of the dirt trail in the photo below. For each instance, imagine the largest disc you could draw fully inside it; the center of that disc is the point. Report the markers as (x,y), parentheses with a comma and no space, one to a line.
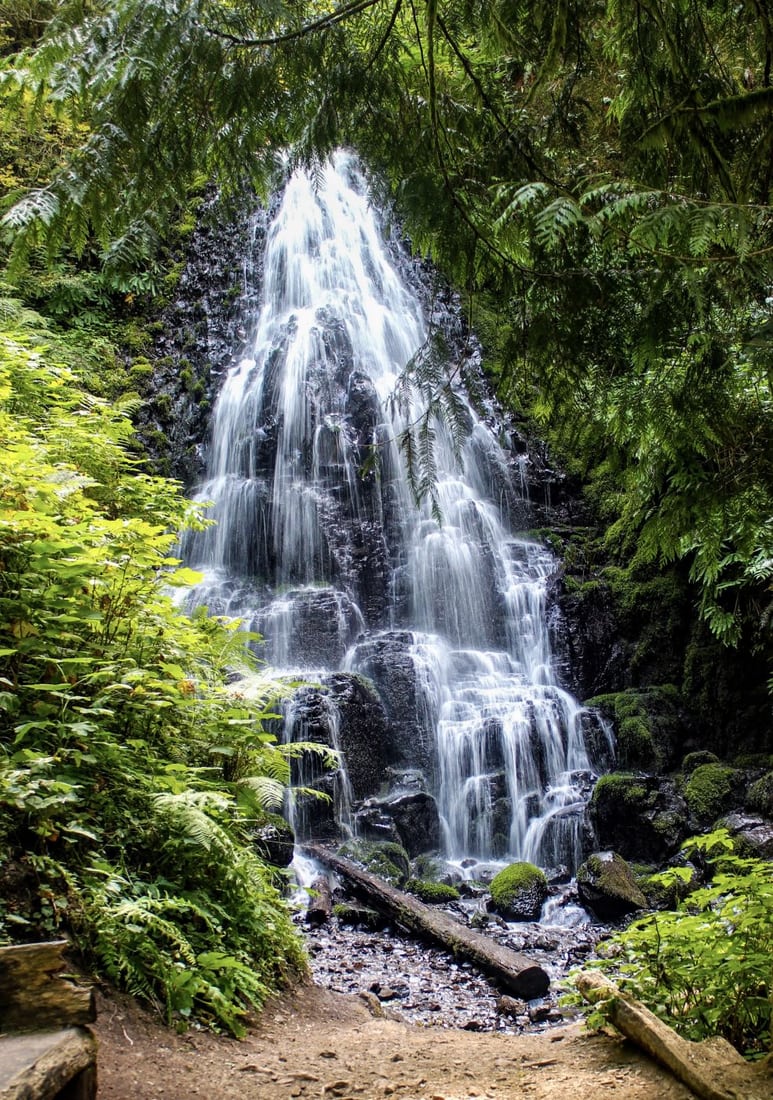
(314,1043)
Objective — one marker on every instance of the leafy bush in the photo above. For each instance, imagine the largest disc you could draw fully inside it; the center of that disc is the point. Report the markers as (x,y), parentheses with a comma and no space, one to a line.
(132,776)
(705,968)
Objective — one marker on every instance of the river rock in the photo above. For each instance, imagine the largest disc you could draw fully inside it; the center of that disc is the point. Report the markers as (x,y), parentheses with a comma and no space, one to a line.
(605,884)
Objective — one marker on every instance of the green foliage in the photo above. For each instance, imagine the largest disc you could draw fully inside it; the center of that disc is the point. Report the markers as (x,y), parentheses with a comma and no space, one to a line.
(433,893)
(131,774)
(705,967)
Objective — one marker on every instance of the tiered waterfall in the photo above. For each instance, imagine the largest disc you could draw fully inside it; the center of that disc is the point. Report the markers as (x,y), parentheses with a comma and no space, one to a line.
(425,636)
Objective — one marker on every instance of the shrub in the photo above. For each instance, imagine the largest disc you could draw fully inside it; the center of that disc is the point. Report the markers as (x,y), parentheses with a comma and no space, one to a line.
(705,968)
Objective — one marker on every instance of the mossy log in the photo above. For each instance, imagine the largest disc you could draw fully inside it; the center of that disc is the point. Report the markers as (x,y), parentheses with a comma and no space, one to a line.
(713,1069)
(49,1064)
(34,995)
(514,972)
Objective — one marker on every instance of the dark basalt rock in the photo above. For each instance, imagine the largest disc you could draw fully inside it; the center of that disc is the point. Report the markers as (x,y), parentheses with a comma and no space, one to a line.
(644,817)
(386,661)
(417,821)
(605,884)
(275,841)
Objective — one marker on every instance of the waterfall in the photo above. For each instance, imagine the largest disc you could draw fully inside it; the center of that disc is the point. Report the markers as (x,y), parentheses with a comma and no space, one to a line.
(319,546)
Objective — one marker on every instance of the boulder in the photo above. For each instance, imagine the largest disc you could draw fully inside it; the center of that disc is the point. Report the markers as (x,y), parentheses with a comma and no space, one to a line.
(642,817)
(519,891)
(711,790)
(275,841)
(605,885)
(753,834)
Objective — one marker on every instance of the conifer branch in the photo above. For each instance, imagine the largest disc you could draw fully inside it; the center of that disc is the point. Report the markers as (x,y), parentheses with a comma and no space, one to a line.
(321,24)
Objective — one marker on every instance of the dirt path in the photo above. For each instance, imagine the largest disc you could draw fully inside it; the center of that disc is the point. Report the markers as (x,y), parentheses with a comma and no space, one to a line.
(315,1043)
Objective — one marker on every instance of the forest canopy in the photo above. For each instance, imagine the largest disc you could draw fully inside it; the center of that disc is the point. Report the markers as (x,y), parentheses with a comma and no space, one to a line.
(595,177)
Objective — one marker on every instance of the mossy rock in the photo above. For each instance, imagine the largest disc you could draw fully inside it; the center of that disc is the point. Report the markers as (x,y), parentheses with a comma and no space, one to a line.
(386,859)
(359,916)
(711,790)
(648,723)
(620,790)
(643,817)
(519,891)
(433,893)
(760,796)
(694,760)
(607,886)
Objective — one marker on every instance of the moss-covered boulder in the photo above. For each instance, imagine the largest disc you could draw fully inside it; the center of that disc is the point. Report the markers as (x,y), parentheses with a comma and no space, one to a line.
(642,817)
(711,791)
(387,860)
(432,893)
(694,760)
(607,886)
(760,796)
(518,892)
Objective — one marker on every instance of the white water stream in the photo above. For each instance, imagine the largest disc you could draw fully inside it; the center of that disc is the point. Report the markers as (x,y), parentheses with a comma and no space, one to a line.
(319,544)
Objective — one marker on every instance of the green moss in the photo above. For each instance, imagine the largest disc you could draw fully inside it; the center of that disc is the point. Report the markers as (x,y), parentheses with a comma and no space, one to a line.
(621,789)
(708,791)
(359,915)
(635,747)
(387,860)
(433,893)
(693,760)
(760,797)
(514,880)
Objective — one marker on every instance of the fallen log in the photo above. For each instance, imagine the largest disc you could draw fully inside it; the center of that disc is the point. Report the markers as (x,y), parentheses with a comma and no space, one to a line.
(713,1069)
(514,972)
(49,1064)
(34,994)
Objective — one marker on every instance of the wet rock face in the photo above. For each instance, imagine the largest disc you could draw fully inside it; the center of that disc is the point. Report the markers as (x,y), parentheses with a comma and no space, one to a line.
(643,817)
(386,661)
(416,821)
(345,713)
(590,652)
(753,834)
(275,841)
(606,885)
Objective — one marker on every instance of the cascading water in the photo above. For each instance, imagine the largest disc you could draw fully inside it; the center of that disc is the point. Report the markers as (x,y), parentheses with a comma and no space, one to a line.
(320,547)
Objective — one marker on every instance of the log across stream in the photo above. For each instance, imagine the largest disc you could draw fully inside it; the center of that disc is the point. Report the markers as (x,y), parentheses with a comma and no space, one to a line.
(515,973)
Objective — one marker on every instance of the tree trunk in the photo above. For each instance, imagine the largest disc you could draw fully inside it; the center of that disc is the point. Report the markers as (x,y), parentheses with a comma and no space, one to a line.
(514,972)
